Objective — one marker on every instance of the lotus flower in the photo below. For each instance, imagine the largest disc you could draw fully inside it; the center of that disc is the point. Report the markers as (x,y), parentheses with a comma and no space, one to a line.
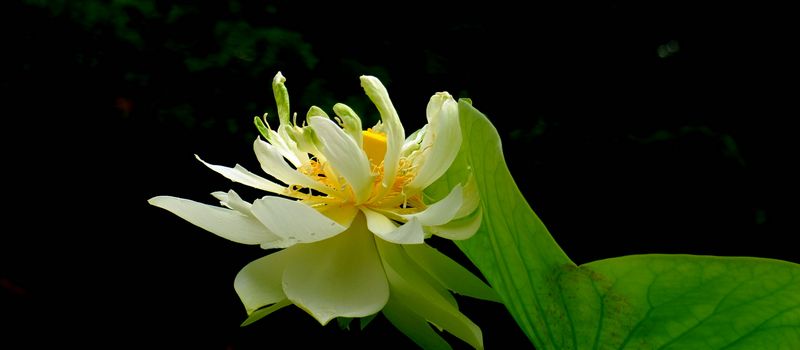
(349,212)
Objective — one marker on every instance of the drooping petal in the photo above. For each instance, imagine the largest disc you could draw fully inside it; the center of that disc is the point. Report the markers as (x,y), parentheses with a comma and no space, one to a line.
(441,212)
(263,312)
(294,221)
(440,143)
(414,288)
(378,223)
(344,155)
(243,176)
(339,277)
(226,223)
(449,273)
(259,282)
(458,229)
(403,270)
(395,134)
(413,325)
(272,163)
(409,233)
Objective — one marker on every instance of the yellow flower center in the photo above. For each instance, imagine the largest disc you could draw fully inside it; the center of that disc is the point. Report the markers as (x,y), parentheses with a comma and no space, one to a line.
(374,146)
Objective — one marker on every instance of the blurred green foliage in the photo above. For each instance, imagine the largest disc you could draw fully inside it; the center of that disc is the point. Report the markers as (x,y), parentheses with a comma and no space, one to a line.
(161,46)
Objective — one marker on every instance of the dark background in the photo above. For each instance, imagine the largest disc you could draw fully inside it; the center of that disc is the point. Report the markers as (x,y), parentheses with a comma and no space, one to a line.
(629,128)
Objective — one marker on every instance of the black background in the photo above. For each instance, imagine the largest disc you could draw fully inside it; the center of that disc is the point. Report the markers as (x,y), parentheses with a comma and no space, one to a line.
(620,145)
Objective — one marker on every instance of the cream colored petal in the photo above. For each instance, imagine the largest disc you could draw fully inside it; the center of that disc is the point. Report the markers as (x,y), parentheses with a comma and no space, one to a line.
(342,152)
(378,223)
(243,176)
(413,141)
(351,123)
(232,200)
(441,212)
(339,277)
(222,222)
(259,282)
(288,148)
(273,163)
(441,142)
(408,233)
(294,221)
(343,214)
(395,134)
(459,229)
(471,200)
(300,141)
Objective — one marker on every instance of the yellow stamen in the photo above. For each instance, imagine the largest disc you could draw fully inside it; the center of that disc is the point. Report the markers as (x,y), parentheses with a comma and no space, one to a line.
(374,146)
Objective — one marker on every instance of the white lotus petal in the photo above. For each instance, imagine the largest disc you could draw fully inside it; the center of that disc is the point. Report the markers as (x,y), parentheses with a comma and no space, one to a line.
(344,155)
(395,134)
(294,221)
(222,222)
(351,123)
(413,141)
(273,163)
(441,212)
(441,142)
(259,282)
(288,148)
(339,277)
(378,223)
(300,140)
(243,176)
(459,229)
(409,233)
(471,198)
(232,200)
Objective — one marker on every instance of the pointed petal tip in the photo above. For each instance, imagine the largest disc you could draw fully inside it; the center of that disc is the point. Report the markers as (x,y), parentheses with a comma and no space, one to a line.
(445,95)
(155,201)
